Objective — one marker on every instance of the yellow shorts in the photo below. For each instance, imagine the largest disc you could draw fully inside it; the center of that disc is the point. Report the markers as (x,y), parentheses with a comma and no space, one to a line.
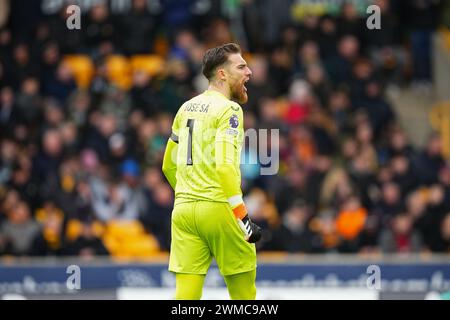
(202,230)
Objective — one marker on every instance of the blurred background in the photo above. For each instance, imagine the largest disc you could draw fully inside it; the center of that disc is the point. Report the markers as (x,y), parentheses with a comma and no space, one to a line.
(364,120)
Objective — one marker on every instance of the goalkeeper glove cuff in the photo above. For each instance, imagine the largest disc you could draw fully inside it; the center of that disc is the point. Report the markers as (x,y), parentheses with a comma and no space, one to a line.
(238,206)
(252,232)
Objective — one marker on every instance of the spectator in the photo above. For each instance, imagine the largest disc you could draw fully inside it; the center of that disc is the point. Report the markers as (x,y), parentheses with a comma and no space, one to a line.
(5,46)
(441,241)
(136,29)
(399,145)
(340,108)
(260,85)
(428,163)
(299,102)
(49,61)
(294,235)
(61,84)
(50,241)
(3,81)
(158,214)
(390,203)
(47,161)
(321,87)
(280,66)
(116,102)
(87,243)
(10,115)
(28,101)
(10,199)
(339,66)
(5,7)
(177,86)
(100,30)
(421,17)
(290,188)
(349,22)
(78,105)
(350,223)
(378,110)
(21,181)
(115,200)
(328,37)
(68,42)
(403,174)
(19,232)
(401,237)
(383,45)
(102,127)
(143,96)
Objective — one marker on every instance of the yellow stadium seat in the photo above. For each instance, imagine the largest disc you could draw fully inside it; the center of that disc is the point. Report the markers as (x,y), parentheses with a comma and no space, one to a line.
(111,243)
(445,32)
(151,64)
(125,228)
(146,246)
(98,228)
(128,239)
(82,68)
(119,71)
(73,229)
(439,118)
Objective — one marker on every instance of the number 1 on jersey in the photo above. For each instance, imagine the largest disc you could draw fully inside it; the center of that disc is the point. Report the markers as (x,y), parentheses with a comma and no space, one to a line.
(190,124)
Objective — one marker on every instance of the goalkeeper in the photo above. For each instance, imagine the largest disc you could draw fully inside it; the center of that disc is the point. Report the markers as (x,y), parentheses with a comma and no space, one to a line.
(201,163)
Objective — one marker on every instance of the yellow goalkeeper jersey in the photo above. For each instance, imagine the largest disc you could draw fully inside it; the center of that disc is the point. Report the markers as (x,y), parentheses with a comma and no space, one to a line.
(198,126)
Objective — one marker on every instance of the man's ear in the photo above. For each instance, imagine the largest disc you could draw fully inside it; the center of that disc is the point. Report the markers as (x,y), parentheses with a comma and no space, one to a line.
(221,74)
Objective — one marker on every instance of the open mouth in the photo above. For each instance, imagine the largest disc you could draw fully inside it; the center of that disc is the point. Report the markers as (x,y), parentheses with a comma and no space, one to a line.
(245,88)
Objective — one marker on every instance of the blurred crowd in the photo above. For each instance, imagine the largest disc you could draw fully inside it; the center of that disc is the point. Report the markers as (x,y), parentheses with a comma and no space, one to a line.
(80,161)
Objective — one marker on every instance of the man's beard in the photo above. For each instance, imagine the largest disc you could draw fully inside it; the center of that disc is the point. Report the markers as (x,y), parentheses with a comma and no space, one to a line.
(238,93)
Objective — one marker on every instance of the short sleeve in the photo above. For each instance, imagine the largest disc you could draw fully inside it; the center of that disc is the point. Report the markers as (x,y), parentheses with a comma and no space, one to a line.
(230,125)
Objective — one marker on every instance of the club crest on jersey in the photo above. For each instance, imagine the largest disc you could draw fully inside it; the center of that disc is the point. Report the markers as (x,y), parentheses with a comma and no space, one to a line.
(234,121)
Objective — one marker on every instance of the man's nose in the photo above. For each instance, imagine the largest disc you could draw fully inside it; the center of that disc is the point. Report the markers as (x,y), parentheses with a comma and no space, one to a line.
(249,72)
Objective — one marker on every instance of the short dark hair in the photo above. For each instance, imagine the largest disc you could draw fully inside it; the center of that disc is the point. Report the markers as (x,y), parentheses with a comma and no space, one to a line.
(217,56)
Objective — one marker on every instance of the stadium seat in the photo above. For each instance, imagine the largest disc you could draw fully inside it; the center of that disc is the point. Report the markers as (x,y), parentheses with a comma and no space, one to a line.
(74,229)
(128,239)
(151,64)
(119,71)
(82,68)
(440,120)
(446,35)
